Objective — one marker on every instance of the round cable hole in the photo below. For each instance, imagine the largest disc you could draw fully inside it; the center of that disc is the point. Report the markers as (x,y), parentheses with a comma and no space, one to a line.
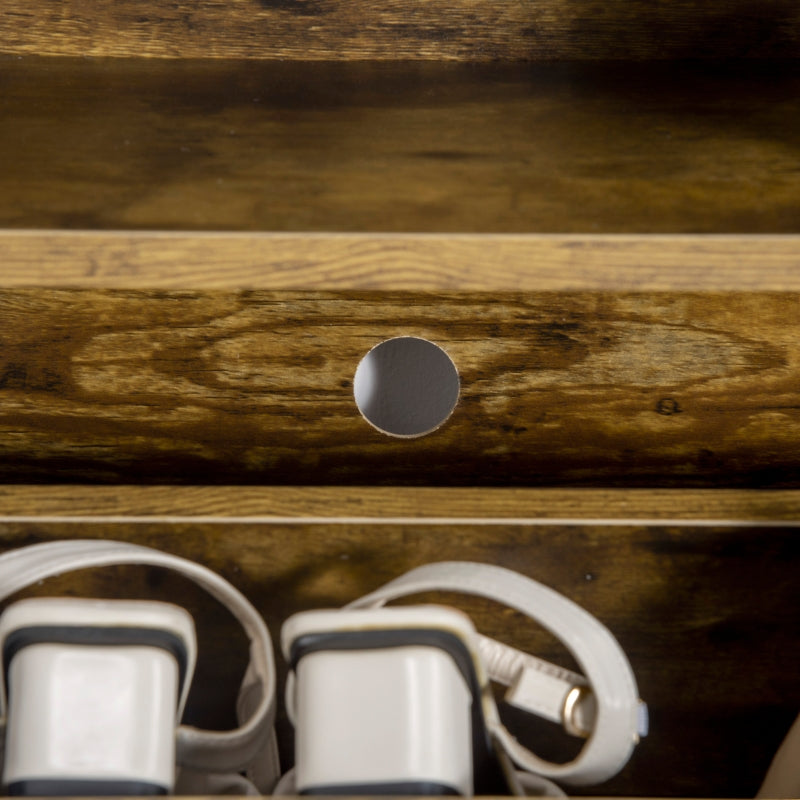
(406,386)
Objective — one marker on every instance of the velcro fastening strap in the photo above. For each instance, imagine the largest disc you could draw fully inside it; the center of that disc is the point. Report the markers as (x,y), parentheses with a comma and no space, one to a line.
(611,718)
(201,750)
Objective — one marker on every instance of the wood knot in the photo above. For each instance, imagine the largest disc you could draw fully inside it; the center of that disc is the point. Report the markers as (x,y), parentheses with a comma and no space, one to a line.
(667,406)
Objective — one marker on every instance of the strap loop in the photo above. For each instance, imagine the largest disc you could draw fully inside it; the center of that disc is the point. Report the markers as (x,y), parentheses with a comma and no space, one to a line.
(614,722)
(200,750)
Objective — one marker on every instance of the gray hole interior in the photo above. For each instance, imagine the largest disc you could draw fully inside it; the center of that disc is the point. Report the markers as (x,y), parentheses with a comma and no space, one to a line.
(406,386)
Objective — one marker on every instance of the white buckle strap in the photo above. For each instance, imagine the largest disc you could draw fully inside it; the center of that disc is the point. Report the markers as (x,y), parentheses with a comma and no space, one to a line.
(604,704)
(250,745)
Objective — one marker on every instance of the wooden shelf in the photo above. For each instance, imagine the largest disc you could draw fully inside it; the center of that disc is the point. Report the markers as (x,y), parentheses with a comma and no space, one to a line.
(209,213)
(582,147)
(700,588)
(581,388)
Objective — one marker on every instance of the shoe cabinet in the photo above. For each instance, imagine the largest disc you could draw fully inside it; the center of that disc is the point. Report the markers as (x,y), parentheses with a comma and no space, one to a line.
(210,212)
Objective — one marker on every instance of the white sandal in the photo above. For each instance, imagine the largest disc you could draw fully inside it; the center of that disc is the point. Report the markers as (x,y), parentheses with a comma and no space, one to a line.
(343,706)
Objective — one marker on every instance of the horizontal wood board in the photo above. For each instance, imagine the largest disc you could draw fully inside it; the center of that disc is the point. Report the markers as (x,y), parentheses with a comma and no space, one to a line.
(402,29)
(411,505)
(255,387)
(403,262)
(400,147)
(707,615)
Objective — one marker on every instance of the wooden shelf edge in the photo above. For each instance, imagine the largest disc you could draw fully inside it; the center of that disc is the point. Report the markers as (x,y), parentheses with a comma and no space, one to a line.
(402,262)
(377,505)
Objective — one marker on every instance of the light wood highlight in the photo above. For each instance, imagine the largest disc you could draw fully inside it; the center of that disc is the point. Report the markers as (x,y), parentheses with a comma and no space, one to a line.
(402,29)
(397,263)
(417,505)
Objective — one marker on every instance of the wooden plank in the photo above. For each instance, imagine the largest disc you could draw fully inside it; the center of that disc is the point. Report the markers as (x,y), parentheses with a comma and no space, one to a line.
(384,262)
(589,389)
(418,505)
(707,615)
(402,29)
(399,148)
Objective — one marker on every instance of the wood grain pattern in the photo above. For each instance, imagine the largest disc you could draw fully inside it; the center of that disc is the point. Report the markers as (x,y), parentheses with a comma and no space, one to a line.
(256,387)
(383,262)
(708,617)
(402,29)
(417,505)
(400,148)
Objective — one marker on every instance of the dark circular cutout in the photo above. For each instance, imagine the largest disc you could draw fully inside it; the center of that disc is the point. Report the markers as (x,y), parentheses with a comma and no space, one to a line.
(406,386)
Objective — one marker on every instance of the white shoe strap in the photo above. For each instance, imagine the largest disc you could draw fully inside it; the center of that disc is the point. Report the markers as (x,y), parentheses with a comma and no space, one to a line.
(613,723)
(207,751)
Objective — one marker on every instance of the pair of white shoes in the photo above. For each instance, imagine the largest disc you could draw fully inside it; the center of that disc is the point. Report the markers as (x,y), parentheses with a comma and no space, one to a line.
(384,700)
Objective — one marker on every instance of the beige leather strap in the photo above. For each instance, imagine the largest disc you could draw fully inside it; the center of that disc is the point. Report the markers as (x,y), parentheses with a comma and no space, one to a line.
(615,717)
(783,777)
(199,750)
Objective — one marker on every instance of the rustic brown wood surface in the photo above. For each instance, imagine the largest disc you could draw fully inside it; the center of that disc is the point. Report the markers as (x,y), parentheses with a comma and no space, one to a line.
(402,29)
(681,389)
(419,504)
(406,262)
(707,614)
(245,146)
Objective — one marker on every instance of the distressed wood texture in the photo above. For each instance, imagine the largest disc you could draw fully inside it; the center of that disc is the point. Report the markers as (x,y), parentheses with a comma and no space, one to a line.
(402,29)
(393,148)
(662,389)
(391,263)
(707,614)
